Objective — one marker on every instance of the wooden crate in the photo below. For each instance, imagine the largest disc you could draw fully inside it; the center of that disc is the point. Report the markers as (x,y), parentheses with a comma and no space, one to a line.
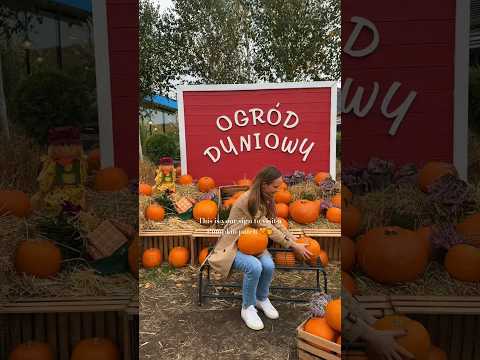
(311,347)
(167,240)
(453,322)
(329,240)
(62,323)
(134,328)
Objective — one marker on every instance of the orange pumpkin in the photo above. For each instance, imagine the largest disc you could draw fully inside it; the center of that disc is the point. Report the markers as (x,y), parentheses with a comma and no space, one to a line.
(282,210)
(284,222)
(154,212)
(337,200)
(15,202)
(252,241)
(202,255)
(349,283)
(347,253)
(319,327)
(205,184)
(134,255)
(351,221)
(151,258)
(425,232)
(303,211)
(324,258)
(333,314)
(463,262)
(41,258)
(178,257)
(283,196)
(339,340)
(432,171)
(321,176)
(334,215)
(32,350)
(185,179)
(145,189)
(205,211)
(93,160)
(436,353)
(95,349)
(284,258)
(392,254)
(245,182)
(311,245)
(416,340)
(283,186)
(347,195)
(111,179)
(469,228)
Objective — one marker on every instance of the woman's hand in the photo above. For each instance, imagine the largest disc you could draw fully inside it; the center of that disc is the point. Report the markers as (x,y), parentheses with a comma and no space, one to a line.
(301,250)
(383,344)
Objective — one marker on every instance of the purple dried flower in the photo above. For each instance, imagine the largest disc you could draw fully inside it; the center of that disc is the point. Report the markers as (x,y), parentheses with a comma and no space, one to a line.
(379,166)
(325,205)
(133,186)
(356,179)
(318,304)
(327,185)
(208,196)
(444,236)
(70,209)
(407,174)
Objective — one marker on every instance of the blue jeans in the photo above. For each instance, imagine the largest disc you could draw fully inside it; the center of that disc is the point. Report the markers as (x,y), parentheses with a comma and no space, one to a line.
(258,274)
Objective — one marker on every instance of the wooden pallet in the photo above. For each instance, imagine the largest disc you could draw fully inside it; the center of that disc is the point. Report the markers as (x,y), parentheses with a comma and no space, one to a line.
(453,322)
(167,240)
(311,347)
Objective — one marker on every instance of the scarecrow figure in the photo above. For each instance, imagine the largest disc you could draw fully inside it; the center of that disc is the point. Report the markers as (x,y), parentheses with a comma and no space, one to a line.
(166,174)
(64,171)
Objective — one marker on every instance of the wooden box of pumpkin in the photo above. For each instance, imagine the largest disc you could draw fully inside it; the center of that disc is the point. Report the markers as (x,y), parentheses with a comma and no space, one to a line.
(311,346)
(228,194)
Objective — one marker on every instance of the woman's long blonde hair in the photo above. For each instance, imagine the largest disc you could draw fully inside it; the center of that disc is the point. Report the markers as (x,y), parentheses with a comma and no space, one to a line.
(266,176)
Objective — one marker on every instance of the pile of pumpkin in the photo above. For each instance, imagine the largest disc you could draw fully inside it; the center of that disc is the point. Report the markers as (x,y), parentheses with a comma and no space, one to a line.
(42,258)
(416,341)
(392,254)
(326,322)
(86,349)
(178,257)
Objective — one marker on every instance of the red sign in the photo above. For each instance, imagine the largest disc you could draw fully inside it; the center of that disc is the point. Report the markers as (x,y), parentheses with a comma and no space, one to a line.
(231,131)
(404,81)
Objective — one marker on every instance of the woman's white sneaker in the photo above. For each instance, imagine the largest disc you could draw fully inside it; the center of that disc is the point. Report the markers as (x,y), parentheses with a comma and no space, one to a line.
(267,307)
(251,318)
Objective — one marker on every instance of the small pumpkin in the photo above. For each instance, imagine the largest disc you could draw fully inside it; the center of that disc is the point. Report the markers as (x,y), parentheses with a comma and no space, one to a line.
(252,241)
(334,215)
(433,171)
(185,179)
(154,212)
(283,196)
(202,255)
(313,246)
(134,255)
(151,258)
(178,257)
(15,202)
(205,184)
(349,283)
(40,258)
(469,228)
(321,176)
(95,349)
(283,186)
(303,211)
(336,200)
(245,182)
(111,179)
(145,189)
(351,221)
(347,253)
(284,222)
(416,341)
(333,314)
(284,258)
(282,210)
(392,254)
(205,211)
(93,160)
(319,327)
(32,350)
(463,262)
(324,258)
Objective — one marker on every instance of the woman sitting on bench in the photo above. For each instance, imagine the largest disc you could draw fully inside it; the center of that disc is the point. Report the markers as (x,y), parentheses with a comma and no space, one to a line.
(256,207)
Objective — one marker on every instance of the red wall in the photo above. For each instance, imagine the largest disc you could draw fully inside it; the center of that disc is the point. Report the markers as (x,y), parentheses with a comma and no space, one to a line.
(122,17)
(202,108)
(417,41)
